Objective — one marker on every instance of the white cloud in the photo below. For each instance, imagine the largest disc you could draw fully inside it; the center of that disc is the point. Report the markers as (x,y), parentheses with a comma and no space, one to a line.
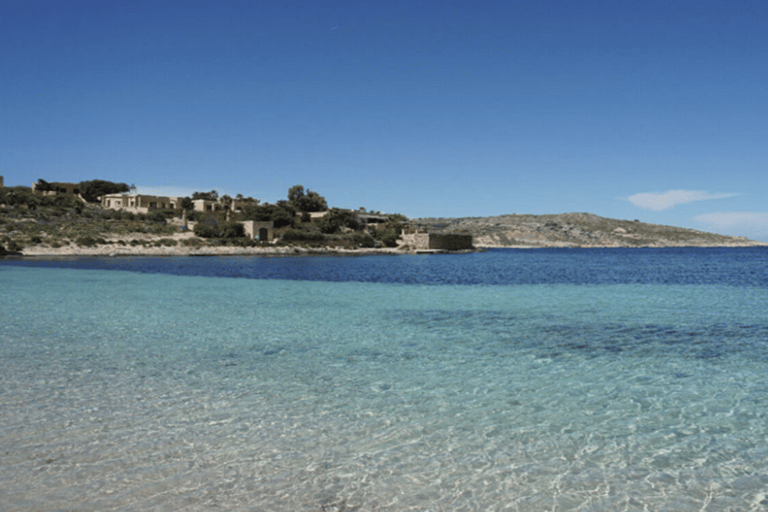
(663,200)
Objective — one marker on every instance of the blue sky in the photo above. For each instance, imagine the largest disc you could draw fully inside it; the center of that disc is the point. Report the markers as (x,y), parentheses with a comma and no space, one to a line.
(649,110)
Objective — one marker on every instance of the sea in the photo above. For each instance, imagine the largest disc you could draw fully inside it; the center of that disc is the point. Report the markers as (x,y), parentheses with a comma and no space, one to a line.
(519,380)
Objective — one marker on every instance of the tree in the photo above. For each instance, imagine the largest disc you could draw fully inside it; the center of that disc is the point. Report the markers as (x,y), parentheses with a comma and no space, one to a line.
(310,201)
(43,186)
(336,219)
(208,227)
(295,193)
(187,204)
(93,189)
(208,196)
(281,214)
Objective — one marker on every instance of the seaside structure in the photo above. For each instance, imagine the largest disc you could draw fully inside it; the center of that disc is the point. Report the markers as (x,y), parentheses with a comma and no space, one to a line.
(438,242)
(139,203)
(262,231)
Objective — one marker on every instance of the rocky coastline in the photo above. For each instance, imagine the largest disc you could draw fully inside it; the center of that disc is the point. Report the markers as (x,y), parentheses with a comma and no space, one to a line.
(575,230)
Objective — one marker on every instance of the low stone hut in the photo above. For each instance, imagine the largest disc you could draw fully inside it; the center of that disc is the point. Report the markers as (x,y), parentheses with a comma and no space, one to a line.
(438,242)
(262,231)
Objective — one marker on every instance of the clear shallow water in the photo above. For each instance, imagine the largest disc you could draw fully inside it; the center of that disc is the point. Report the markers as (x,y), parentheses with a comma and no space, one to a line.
(157,384)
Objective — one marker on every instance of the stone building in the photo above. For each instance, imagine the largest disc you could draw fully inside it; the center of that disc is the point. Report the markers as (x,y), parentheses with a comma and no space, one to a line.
(139,203)
(206,205)
(438,242)
(53,188)
(262,231)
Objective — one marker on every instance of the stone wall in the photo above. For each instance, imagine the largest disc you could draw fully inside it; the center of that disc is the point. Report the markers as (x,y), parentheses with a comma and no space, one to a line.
(262,231)
(438,242)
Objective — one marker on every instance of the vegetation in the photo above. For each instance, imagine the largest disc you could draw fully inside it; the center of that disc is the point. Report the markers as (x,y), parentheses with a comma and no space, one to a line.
(281,214)
(208,196)
(338,219)
(303,236)
(93,189)
(61,220)
(310,201)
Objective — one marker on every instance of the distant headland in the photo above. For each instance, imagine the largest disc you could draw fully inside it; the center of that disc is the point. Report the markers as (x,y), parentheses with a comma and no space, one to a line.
(97,217)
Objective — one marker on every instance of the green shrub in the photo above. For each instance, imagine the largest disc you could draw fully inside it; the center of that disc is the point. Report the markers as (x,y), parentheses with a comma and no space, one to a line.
(191,242)
(156,216)
(89,241)
(282,215)
(300,235)
(12,246)
(232,230)
(362,239)
(204,230)
(387,236)
(336,219)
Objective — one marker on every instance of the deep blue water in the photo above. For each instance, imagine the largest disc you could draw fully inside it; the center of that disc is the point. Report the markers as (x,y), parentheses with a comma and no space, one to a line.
(685,266)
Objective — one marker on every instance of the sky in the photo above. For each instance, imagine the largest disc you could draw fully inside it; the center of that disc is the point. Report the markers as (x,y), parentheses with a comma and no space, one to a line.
(648,110)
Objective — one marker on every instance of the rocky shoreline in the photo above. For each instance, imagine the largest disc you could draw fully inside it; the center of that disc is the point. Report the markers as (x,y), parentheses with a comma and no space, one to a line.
(577,230)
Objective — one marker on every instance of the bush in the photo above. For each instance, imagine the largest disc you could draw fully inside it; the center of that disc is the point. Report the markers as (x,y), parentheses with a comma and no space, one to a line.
(191,242)
(336,219)
(282,215)
(89,241)
(362,239)
(204,230)
(300,235)
(232,230)
(157,216)
(387,236)
(13,246)
(10,247)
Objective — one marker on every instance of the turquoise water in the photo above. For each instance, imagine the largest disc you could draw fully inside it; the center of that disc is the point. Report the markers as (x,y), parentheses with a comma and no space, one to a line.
(146,389)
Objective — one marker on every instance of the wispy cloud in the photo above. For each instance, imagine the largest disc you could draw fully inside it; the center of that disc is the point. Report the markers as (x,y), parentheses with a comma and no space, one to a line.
(663,200)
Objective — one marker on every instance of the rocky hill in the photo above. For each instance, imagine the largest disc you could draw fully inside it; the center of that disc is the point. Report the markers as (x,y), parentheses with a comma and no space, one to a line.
(574,230)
